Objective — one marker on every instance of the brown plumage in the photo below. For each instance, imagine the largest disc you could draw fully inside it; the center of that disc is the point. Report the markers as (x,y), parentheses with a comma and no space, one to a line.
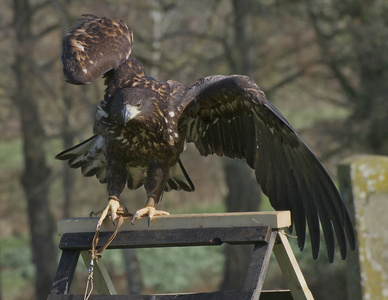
(83,60)
(142,125)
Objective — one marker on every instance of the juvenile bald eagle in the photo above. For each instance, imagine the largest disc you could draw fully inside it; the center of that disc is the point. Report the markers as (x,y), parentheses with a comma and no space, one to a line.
(142,126)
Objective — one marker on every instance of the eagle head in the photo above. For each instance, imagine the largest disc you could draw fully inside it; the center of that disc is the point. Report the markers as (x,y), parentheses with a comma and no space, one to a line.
(130,111)
(137,104)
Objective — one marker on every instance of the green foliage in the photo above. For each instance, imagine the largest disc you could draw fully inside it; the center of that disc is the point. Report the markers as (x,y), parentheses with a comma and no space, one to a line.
(11,154)
(179,269)
(17,271)
(163,269)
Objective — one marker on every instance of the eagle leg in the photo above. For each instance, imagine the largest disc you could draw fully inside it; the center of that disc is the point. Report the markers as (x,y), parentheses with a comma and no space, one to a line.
(149,210)
(112,207)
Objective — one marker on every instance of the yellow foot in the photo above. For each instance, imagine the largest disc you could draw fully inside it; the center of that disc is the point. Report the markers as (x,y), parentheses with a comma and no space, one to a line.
(150,211)
(112,207)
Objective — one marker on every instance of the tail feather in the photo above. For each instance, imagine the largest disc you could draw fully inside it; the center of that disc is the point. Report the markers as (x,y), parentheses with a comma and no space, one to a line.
(179,179)
(90,157)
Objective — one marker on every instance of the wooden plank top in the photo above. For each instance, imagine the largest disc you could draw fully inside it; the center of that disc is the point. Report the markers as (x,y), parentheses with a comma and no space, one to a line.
(274,219)
(168,237)
(225,295)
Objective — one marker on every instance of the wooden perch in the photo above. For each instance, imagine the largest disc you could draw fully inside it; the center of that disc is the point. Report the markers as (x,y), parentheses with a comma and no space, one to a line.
(185,230)
(274,219)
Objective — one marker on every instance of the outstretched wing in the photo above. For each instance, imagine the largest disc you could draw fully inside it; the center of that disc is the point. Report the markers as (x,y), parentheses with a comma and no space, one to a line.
(230,116)
(88,155)
(94,47)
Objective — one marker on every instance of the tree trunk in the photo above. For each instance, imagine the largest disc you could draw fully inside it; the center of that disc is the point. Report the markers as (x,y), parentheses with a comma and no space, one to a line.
(244,195)
(1,294)
(133,272)
(67,132)
(36,172)
(244,191)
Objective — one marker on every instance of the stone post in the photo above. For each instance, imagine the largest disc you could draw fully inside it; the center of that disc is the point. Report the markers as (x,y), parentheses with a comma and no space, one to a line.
(363,183)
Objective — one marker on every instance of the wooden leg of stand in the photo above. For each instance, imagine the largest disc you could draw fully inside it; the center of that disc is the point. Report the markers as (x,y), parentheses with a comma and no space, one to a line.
(290,269)
(101,278)
(65,272)
(258,267)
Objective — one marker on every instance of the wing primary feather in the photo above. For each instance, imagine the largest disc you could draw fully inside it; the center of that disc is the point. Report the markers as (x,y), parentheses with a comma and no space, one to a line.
(261,166)
(234,138)
(89,156)
(334,205)
(291,200)
(214,138)
(264,167)
(250,141)
(203,145)
(338,218)
(239,137)
(282,175)
(224,132)
(308,204)
(76,150)
(312,217)
(323,202)
(325,216)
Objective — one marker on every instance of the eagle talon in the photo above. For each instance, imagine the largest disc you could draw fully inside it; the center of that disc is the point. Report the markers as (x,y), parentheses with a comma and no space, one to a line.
(150,211)
(112,207)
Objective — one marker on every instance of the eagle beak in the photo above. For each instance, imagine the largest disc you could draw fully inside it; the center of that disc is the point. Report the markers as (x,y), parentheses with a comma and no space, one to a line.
(129,112)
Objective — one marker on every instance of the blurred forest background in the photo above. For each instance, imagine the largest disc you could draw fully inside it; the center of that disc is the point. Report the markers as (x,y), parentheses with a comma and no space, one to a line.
(324,64)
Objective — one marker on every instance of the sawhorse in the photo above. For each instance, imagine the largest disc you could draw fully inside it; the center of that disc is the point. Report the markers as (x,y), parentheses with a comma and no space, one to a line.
(263,229)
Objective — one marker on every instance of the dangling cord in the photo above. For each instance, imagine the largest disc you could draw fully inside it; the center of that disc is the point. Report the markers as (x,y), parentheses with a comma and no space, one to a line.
(94,256)
(89,281)
(97,254)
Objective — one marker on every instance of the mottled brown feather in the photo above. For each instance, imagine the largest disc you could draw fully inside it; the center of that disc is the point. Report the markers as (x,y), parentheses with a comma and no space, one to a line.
(94,47)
